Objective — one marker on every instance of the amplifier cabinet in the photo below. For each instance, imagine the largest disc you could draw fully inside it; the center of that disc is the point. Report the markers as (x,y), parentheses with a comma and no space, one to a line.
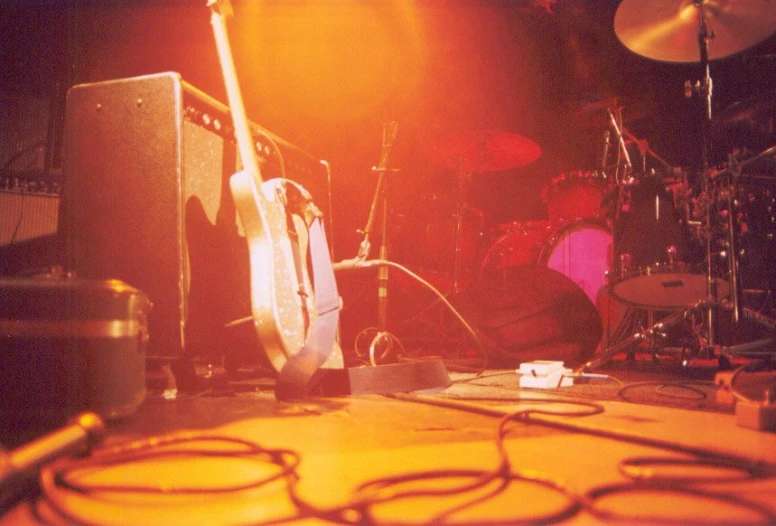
(146,200)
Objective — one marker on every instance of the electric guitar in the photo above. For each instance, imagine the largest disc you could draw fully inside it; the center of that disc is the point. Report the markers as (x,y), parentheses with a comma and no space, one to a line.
(275,216)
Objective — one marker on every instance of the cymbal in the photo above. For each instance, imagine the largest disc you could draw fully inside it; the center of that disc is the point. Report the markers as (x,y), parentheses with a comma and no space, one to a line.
(667,30)
(595,115)
(751,120)
(478,151)
(748,110)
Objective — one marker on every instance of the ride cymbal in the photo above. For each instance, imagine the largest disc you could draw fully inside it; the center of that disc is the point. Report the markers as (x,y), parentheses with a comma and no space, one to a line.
(478,151)
(668,30)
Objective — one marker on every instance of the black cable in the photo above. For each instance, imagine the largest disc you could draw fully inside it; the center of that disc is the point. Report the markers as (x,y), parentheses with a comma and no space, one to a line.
(383,490)
(660,386)
(373,263)
(643,469)
(286,459)
(482,377)
(703,458)
(7,164)
(701,395)
(746,368)
(57,480)
(504,479)
(593,497)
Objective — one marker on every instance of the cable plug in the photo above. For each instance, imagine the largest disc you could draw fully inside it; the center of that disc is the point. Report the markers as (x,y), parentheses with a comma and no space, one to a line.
(758,415)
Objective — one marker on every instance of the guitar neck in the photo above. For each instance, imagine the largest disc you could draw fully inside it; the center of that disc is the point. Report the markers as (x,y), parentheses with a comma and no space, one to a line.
(220,9)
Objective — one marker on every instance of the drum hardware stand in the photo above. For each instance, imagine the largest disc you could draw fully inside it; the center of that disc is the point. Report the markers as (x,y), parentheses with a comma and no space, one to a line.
(733,171)
(648,335)
(621,149)
(636,27)
(704,88)
(644,150)
(462,181)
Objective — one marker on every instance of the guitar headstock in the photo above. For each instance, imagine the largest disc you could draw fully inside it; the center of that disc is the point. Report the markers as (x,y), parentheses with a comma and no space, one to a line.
(222,7)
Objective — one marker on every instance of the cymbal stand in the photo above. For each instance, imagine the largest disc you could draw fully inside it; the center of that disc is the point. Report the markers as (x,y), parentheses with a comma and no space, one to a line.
(623,157)
(704,89)
(460,198)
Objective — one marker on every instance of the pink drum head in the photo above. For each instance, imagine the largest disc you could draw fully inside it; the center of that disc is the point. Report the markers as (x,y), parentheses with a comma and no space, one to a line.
(581,252)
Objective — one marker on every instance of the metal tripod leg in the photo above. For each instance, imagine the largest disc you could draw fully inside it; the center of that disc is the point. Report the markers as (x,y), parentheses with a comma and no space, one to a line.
(646,334)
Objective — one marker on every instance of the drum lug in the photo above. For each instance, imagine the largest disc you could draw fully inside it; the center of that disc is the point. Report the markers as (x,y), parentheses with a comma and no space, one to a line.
(671,253)
(625,265)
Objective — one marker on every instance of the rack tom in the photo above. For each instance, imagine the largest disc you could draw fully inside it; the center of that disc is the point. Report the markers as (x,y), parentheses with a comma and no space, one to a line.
(574,195)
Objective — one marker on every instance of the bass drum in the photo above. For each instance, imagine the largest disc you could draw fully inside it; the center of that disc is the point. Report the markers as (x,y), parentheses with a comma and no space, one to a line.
(580,251)
(537,289)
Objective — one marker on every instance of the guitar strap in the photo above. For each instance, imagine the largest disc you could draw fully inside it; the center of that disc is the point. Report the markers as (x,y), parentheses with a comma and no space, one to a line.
(302,375)
(298,378)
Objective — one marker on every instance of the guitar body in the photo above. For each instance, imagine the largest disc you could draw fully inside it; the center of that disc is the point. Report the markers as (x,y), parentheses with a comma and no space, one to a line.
(276,216)
(279,310)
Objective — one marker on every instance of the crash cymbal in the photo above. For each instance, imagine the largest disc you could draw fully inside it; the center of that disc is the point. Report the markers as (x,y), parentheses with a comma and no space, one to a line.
(595,114)
(668,30)
(479,151)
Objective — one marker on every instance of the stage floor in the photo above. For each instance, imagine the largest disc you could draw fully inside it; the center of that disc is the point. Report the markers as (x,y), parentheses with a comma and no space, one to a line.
(423,446)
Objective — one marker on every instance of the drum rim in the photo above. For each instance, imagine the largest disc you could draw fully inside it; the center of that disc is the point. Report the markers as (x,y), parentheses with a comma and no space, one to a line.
(611,288)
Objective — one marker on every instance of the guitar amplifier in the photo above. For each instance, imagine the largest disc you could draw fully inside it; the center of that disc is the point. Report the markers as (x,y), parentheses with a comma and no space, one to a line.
(26,213)
(147,162)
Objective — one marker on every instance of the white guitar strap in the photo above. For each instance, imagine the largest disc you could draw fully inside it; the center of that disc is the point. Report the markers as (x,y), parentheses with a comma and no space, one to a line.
(298,379)
(302,376)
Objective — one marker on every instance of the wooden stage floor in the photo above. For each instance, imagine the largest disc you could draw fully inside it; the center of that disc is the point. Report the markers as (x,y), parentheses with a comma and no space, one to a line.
(668,449)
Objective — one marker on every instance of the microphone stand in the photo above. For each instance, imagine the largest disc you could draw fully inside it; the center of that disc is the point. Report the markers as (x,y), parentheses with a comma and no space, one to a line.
(380,196)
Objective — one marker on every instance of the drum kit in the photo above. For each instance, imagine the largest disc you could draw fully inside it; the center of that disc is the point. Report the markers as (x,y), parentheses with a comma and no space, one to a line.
(648,235)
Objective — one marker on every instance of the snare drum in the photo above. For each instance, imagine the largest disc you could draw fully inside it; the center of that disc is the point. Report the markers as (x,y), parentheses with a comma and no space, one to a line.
(654,266)
(575,195)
